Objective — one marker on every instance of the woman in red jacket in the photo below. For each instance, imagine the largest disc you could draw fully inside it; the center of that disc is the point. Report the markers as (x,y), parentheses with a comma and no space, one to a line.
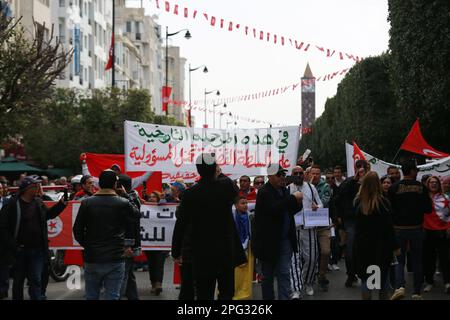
(437,231)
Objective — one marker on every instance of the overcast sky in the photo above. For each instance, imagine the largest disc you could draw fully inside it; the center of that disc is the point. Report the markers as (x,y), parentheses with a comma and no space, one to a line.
(240,64)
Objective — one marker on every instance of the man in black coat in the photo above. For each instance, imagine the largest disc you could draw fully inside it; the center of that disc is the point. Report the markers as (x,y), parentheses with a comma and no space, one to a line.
(206,209)
(24,236)
(274,238)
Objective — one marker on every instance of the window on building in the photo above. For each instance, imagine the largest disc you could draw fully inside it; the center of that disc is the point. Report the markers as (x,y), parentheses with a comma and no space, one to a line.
(128,27)
(62,3)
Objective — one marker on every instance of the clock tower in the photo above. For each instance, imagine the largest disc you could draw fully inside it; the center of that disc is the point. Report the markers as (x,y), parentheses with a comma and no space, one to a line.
(308,100)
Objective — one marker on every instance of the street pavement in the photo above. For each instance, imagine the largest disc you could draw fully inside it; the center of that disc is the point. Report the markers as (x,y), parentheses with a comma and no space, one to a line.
(337,291)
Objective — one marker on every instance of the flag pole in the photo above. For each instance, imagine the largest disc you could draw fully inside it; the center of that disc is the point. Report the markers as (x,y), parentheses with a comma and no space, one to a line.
(113,76)
(395,157)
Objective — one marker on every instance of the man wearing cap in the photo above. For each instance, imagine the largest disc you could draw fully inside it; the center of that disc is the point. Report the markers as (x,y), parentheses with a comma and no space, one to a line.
(103,223)
(274,238)
(24,238)
(346,212)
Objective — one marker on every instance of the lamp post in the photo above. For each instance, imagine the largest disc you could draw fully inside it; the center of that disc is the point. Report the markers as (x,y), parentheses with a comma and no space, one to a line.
(187,36)
(206,93)
(220,115)
(205,70)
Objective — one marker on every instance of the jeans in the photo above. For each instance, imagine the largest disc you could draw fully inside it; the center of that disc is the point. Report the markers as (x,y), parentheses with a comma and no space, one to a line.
(4,281)
(335,248)
(415,238)
(350,233)
(280,269)
(107,275)
(29,264)
(129,286)
(436,244)
(156,260)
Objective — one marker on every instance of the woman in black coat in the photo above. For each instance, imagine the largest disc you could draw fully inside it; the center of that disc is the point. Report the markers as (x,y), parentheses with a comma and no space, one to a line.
(375,243)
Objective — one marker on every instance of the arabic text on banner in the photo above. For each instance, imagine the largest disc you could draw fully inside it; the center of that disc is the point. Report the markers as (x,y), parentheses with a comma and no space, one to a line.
(150,147)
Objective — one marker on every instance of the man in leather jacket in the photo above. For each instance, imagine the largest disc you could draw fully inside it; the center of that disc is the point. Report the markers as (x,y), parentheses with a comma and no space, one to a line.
(103,223)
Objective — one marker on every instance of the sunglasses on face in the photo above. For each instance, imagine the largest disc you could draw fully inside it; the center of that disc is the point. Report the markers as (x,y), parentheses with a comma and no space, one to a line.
(281,174)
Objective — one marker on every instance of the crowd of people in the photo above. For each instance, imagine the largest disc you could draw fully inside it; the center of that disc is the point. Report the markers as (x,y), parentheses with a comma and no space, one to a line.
(389,222)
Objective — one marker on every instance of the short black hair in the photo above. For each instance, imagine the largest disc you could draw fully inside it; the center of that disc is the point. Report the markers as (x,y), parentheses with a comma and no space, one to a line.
(107,179)
(239,198)
(391,167)
(408,166)
(125,181)
(338,168)
(245,177)
(85,178)
(362,164)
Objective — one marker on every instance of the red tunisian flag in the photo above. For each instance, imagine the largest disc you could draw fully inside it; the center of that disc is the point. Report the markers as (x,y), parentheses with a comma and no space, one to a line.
(94,163)
(414,142)
(109,65)
(357,153)
(166,92)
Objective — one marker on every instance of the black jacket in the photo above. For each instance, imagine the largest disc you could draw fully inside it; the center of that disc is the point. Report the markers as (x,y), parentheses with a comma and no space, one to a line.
(205,212)
(269,210)
(103,222)
(374,242)
(410,201)
(8,222)
(345,197)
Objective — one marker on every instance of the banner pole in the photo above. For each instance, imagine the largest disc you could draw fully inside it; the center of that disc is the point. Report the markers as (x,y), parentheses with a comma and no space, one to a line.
(395,156)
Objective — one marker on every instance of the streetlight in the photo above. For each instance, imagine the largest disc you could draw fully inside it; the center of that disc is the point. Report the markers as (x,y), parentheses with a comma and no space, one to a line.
(206,93)
(205,70)
(230,122)
(187,36)
(214,115)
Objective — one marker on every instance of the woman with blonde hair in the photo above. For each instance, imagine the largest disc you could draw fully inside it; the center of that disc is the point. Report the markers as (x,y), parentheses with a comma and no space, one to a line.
(437,233)
(374,236)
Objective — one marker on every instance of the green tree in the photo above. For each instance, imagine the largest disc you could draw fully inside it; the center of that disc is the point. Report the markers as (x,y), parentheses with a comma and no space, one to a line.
(28,69)
(73,122)
(420,50)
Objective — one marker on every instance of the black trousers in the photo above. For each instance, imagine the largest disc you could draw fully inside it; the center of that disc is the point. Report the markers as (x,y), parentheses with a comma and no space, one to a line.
(4,280)
(436,245)
(156,260)
(205,283)
(187,290)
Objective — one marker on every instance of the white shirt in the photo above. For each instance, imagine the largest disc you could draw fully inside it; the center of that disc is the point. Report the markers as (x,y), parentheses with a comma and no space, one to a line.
(307,199)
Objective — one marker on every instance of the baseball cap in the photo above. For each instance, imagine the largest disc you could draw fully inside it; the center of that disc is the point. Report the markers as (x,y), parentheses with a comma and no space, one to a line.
(276,169)
(76,179)
(28,181)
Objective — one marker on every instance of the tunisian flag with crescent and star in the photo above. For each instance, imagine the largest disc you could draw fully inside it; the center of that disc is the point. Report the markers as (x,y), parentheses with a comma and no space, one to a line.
(166,92)
(414,142)
(94,163)
(357,153)
(109,65)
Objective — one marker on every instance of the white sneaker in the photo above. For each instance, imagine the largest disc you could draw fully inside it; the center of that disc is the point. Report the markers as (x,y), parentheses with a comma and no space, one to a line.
(309,290)
(428,288)
(330,268)
(295,295)
(335,267)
